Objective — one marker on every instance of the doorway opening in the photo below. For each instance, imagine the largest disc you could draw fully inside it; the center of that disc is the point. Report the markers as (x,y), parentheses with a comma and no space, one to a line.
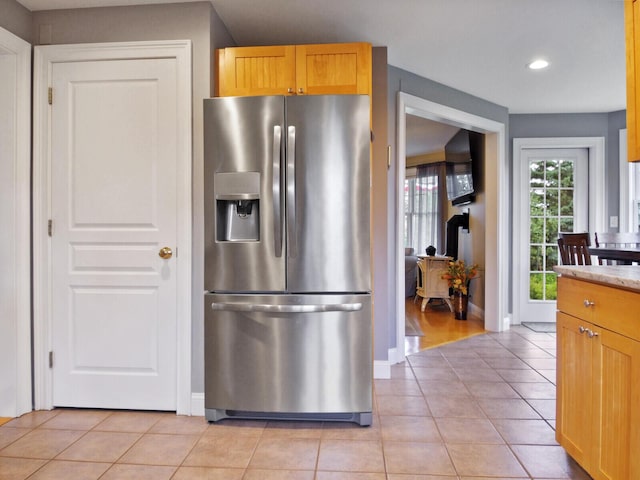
(495,203)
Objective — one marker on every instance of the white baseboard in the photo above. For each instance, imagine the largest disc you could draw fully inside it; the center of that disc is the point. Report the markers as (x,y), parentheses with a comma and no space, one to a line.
(476,311)
(394,356)
(381,369)
(197,404)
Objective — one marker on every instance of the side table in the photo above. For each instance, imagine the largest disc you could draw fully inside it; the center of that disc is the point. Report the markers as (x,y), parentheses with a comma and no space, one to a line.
(430,281)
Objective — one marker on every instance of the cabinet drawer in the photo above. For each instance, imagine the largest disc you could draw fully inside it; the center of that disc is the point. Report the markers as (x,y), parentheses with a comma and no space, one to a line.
(606,307)
(571,297)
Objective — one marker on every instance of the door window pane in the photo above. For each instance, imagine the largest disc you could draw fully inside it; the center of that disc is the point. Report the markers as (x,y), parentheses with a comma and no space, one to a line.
(551,210)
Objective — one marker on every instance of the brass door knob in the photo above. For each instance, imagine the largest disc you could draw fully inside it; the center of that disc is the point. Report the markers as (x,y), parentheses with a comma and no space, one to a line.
(165,252)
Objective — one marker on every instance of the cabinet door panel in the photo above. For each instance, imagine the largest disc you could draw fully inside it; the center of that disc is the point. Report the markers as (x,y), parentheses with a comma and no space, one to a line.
(574,423)
(257,71)
(341,68)
(617,365)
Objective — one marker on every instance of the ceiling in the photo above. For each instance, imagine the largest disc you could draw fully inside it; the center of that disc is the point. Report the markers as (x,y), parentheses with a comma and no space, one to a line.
(480,47)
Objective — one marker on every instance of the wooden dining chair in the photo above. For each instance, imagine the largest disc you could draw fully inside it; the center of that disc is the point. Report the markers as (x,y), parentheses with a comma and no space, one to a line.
(574,248)
(616,240)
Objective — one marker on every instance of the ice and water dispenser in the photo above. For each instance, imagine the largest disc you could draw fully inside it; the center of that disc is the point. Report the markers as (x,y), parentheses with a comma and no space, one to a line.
(237,197)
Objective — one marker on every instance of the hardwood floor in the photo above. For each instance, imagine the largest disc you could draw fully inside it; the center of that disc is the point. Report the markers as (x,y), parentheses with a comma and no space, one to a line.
(438,325)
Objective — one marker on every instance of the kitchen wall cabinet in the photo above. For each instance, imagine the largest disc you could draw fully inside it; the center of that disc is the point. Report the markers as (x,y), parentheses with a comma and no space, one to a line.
(337,68)
(632,37)
(598,378)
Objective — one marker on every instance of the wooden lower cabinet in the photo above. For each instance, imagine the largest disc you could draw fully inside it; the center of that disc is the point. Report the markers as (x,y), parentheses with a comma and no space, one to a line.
(598,383)
(574,389)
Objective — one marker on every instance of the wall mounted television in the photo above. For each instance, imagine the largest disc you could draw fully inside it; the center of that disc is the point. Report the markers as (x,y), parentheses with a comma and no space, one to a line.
(460,169)
(460,183)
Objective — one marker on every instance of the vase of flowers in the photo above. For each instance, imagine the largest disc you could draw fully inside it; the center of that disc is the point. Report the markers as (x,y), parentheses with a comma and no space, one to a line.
(459,275)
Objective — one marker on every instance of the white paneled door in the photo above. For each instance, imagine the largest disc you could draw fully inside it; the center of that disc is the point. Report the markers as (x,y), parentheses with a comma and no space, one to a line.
(113,211)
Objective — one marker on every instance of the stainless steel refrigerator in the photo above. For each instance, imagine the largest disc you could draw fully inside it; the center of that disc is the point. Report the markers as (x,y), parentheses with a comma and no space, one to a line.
(288,326)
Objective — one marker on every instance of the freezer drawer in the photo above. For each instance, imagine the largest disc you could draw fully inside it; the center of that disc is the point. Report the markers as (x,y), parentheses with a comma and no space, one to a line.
(288,356)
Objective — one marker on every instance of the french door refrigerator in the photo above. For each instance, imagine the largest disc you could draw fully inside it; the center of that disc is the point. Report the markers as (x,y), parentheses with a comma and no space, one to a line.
(288,330)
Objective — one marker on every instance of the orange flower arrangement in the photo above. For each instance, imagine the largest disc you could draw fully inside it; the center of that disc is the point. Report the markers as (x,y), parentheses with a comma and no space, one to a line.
(458,275)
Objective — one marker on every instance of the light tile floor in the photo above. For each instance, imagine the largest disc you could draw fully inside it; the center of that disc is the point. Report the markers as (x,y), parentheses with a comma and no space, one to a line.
(476,409)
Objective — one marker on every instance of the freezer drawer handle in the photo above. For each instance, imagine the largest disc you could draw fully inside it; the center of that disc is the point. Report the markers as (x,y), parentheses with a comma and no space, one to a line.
(257,307)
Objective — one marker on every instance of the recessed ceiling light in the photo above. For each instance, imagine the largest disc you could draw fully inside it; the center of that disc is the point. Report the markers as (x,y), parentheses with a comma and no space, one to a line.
(538,64)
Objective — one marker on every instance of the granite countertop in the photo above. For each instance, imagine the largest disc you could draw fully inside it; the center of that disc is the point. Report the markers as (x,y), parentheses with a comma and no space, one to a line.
(626,276)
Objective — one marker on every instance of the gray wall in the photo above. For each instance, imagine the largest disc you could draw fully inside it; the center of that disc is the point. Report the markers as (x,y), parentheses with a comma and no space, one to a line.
(379,214)
(15,18)
(605,125)
(617,122)
(197,22)
(403,81)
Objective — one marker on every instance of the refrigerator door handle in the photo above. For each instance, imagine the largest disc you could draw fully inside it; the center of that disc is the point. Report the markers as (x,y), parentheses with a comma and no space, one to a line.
(270,308)
(277,200)
(291,191)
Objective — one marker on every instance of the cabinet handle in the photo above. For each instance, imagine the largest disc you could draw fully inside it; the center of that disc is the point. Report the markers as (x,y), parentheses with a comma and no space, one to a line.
(591,333)
(300,90)
(289,90)
(588,303)
(582,329)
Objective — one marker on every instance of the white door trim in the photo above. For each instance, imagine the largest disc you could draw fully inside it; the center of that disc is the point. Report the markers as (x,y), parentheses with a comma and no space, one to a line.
(627,185)
(597,197)
(16,325)
(44,58)
(496,208)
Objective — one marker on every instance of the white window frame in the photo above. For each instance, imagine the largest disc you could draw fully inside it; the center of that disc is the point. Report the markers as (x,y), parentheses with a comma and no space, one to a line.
(629,188)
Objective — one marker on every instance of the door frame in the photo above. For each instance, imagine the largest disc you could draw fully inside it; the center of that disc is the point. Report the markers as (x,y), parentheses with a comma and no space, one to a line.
(497,191)
(44,58)
(597,199)
(16,326)
(629,186)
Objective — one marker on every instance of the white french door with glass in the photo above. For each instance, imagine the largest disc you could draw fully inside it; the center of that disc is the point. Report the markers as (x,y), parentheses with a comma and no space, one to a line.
(553,193)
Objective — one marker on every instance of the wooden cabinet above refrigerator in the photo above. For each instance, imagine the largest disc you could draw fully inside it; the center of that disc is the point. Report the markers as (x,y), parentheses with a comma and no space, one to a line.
(320,69)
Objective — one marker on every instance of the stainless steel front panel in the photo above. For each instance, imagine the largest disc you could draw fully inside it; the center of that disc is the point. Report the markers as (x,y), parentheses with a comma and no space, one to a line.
(290,354)
(243,151)
(328,193)
(318,161)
